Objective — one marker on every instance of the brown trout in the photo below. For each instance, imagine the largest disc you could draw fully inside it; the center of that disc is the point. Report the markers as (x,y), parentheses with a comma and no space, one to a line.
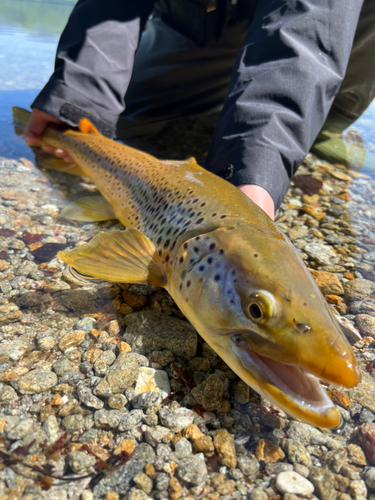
(232,273)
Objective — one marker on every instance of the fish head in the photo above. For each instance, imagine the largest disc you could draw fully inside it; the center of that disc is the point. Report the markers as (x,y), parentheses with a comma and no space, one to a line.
(253,300)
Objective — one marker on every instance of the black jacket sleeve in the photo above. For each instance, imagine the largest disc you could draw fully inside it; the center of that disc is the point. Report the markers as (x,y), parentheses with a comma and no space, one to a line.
(94,62)
(284,81)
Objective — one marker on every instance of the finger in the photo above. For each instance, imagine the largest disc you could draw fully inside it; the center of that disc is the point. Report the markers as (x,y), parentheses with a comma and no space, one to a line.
(34,130)
(68,159)
(49,149)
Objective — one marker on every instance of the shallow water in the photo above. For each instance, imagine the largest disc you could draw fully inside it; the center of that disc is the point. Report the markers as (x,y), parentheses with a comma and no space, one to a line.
(46,317)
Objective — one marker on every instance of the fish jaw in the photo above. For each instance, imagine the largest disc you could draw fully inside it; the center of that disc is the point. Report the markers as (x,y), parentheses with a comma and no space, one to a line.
(290,387)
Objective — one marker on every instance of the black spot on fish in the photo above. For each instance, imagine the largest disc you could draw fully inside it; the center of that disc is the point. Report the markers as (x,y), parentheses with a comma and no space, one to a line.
(221,252)
(212,246)
(188,284)
(201,268)
(217,277)
(255,255)
(209,260)
(223,217)
(213,215)
(199,221)
(181,259)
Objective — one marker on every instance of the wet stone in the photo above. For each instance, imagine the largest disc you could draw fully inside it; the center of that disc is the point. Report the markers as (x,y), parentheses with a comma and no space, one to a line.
(367,440)
(120,480)
(241,392)
(258,494)
(164,358)
(322,254)
(9,313)
(323,482)
(369,478)
(204,445)
(328,283)
(143,482)
(123,373)
(192,471)
(366,324)
(154,332)
(276,468)
(358,289)
(225,448)
(356,455)
(51,429)
(21,430)
(7,393)
(73,423)
(35,381)
(157,435)
(102,364)
(86,396)
(117,401)
(266,451)
(86,324)
(183,448)
(72,339)
(107,419)
(80,461)
(146,400)
(130,420)
(177,419)
(62,366)
(249,466)
(292,482)
(209,393)
(296,452)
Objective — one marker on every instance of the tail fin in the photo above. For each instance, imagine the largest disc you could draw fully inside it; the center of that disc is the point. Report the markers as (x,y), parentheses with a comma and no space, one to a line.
(21,116)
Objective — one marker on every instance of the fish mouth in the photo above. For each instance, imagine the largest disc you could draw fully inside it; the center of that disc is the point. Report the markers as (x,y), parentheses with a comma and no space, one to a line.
(290,386)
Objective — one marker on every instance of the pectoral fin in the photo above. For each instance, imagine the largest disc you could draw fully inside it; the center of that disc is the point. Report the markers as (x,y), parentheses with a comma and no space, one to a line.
(89,209)
(52,163)
(121,256)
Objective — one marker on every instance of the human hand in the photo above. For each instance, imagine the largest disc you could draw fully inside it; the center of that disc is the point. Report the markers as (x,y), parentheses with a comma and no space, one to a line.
(261,197)
(35,129)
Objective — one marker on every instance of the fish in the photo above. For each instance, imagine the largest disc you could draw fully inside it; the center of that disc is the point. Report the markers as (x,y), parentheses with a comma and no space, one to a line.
(231,271)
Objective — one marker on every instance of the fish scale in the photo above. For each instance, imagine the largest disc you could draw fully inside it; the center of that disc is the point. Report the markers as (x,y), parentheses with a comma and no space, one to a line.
(232,273)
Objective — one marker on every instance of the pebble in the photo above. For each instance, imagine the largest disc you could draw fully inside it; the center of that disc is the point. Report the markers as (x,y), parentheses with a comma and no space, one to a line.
(249,466)
(176,419)
(192,471)
(366,324)
(156,381)
(266,451)
(34,382)
(358,289)
(367,440)
(143,482)
(183,448)
(328,283)
(86,396)
(324,483)
(209,393)
(292,482)
(80,461)
(322,254)
(72,339)
(296,452)
(123,373)
(225,448)
(204,445)
(155,331)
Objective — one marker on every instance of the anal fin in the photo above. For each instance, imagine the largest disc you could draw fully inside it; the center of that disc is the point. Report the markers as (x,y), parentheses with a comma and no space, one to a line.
(120,256)
(89,209)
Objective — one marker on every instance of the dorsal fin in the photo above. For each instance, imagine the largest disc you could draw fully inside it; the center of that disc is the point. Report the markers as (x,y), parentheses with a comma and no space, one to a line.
(86,126)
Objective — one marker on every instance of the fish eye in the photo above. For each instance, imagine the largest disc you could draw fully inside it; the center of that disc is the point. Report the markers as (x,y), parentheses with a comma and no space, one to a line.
(260,307)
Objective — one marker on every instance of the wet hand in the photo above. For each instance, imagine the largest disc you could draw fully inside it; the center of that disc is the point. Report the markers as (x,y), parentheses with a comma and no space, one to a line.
(261,197)
(34,131)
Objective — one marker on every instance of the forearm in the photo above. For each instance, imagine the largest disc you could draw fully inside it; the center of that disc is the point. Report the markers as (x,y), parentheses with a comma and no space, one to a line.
(284,81)
(94,62)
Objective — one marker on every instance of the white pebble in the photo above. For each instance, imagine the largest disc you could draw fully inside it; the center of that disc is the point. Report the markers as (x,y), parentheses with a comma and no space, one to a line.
(291,482)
